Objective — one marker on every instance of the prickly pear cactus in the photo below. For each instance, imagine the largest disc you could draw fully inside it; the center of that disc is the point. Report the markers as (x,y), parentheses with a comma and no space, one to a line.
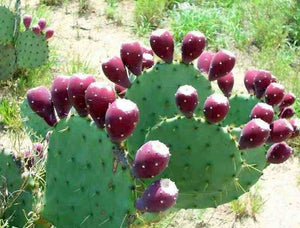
(32,50)
(15,199)
(92,192)
(21,49)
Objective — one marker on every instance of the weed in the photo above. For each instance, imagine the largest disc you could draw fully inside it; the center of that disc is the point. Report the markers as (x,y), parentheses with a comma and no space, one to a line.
(77,65)
(83,6)
(10,114)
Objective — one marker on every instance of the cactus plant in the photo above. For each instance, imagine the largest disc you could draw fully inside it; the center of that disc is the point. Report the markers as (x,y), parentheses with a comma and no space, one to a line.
(21,49)
(212,155)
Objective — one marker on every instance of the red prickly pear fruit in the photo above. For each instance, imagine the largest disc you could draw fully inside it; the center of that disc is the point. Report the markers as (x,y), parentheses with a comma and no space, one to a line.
(27,21)
(151,159)
(249,80)
(204,60)
(193,45)
(274,93)
(159,196)
(162,43)
(39,100)
(263,111)
(281,130)
(59,93)
(221,64)
(147,50)
(296,127)
(148,61)
(288,100)
(38,148)
(97,98)
(120,90)
(226,84)
(279,153)
(121,119)
(186,98)
(132,57)
(115,71)
(36,29)
(261,81)
(273,78)
(287,112)
(49,33)
(254,134)
(216,107)
(76,91)
(42,23)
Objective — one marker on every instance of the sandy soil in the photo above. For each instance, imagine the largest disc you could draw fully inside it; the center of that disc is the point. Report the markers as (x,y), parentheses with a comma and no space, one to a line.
(92,38)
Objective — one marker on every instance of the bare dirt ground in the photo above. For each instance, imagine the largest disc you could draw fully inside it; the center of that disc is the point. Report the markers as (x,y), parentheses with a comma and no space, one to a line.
(92,38)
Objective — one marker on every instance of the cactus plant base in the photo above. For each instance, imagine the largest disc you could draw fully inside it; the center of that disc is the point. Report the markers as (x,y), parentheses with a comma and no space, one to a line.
(154,90)
(199,165)
(91,192)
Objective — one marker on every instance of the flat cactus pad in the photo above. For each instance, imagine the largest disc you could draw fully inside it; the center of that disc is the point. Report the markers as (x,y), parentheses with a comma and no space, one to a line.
(7,21)
(7,61)
(82,187)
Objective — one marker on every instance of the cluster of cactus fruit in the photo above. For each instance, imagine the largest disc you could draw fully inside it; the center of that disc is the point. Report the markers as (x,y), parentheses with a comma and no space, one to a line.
(193,147)
(21,49)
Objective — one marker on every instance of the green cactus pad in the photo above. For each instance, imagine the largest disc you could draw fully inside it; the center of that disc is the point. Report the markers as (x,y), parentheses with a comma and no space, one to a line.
(35,126)
(7,21)
(18,201)
(7,61)
(240,109)
(154,93)
(81,188)
(32,50)
(204,158)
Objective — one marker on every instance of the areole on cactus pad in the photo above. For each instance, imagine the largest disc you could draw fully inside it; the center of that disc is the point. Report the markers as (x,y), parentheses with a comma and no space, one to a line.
(172,141)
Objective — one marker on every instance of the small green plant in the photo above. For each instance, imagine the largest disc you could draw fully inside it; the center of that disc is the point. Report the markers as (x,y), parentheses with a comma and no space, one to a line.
(10,115)
(83,6)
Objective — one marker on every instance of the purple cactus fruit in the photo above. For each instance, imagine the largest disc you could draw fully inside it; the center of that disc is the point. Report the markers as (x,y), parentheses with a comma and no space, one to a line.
(221,64)
(115,71)
(159,196)
(148,61)
(121,119)
(263,111)
(225,84)
(162,43)
(38,148)
(42,23)
(204,60)
(49,33)
(249,80)
(287,112)
(254,134)
(39,100)
(279,153)
(274,93)
(186,98)
(28,159)
(151,159)
(288,99)
(296,127)
(97,97)
(281,130)
(36,29)
(76,91)
(216,107)
(27,21)
(132,57)
(59,93)
(193,45)
(120,90)
(261,81)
